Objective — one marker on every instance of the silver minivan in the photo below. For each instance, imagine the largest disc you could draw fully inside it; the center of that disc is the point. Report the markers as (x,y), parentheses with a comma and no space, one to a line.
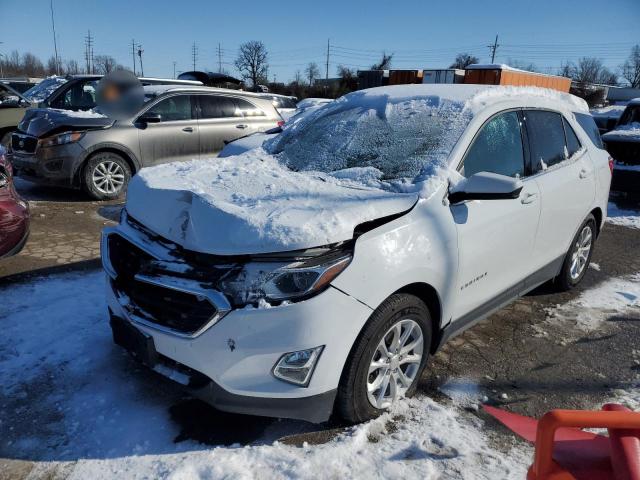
(100,154)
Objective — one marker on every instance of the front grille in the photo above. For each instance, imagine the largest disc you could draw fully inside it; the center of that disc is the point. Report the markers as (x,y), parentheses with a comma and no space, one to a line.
(625,152)
(168,307)
(23,143)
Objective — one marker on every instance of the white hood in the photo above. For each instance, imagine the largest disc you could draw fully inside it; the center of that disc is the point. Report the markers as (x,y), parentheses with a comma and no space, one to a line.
(250,204)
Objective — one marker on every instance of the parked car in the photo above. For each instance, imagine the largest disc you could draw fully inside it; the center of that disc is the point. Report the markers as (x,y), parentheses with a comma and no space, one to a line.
(285,105)
(99,154)
(320,273)
(312,102)
(623,142)
(78,92)
(12,108)
(14,212)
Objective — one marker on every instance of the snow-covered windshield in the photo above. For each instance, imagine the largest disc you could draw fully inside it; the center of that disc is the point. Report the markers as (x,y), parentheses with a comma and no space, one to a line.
(398,136)
(40,92)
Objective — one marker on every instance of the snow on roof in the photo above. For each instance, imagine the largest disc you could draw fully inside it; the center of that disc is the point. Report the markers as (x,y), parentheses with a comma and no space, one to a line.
(503,66)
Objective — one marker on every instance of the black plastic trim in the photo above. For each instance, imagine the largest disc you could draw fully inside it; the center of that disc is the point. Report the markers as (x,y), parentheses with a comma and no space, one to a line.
(457,197)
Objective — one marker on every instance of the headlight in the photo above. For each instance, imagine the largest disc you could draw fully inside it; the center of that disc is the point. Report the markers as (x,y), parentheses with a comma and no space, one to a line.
(61,139)
(277,279)
(299,279)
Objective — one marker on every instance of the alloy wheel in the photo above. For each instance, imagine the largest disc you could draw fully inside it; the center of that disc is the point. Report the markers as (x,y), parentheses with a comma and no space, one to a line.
(395,363)
(581,251)
(108,177)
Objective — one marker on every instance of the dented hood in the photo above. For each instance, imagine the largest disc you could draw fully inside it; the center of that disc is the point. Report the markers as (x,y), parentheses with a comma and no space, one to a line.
(41,122)
(250,204)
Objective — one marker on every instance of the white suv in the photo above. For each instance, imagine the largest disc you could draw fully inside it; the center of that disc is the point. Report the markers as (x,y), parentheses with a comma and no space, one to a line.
(319,272)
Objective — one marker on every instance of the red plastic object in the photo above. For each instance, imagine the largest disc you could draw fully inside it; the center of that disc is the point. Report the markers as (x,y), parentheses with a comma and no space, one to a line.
(565,452)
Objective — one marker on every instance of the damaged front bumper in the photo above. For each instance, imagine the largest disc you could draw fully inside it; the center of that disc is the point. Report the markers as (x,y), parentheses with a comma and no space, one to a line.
(228,361)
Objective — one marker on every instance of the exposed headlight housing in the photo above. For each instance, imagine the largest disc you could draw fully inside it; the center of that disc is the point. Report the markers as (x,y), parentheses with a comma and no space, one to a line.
(301,280)
(60,139)
(297,367)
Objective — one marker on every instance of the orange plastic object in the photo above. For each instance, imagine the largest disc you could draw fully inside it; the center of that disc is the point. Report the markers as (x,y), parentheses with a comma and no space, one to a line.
(545,468)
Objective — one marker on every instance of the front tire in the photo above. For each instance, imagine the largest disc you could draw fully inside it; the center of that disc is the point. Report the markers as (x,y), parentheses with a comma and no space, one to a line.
(106,176)
(578,257)
(387,360)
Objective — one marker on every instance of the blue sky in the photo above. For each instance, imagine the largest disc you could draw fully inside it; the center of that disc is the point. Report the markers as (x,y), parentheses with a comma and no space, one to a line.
(421,34)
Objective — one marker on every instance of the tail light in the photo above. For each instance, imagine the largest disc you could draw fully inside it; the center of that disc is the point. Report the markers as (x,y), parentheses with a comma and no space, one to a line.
(280,123)
(611,165)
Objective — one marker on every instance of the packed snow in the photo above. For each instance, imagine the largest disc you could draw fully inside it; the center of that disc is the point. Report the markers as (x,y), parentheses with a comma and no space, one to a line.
(628,130)
(93,413)
(80,113)
(623,217)
(615,296)
(253,204)
(611,111)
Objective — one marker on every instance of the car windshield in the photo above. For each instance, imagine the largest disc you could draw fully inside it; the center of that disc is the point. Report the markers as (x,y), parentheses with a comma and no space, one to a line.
(399,137)
(40,92)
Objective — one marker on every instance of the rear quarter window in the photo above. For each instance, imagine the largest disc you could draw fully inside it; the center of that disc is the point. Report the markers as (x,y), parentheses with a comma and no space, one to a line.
(588,124)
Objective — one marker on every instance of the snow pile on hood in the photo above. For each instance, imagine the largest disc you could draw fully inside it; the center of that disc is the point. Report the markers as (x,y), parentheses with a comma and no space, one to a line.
(251,203)
(79,113)
(628,130)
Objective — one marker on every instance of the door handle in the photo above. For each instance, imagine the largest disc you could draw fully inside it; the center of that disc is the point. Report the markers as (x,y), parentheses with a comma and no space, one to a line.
(584,173)
(242,126)
(187,129)
(529,198)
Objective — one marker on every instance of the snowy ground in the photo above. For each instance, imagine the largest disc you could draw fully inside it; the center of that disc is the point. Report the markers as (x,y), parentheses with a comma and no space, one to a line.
(94,414)
(625,217)
(78,406)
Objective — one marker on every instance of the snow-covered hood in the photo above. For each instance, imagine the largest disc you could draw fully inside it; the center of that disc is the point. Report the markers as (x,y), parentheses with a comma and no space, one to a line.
(250,204)
(41,122)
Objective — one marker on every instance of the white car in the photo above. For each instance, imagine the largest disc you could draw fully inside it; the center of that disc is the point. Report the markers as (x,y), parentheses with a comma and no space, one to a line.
(318,274)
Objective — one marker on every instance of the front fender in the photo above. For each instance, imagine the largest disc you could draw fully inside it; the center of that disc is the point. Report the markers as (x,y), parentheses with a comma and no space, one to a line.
(419,247)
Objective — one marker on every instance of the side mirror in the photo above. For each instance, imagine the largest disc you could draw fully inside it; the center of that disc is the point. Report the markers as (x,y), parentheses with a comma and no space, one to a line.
(486,186)
(150,118)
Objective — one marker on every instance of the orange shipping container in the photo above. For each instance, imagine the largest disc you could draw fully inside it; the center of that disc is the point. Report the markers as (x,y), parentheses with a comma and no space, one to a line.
(498,75)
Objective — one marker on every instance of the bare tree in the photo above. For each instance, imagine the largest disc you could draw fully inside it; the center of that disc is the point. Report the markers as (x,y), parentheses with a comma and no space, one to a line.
(31,65)
(463,60)
(72,67)
(252,62)
(104,64)
(52,66)
(384,63)
(630,69)
(312,72)
(528,66)
(346,73)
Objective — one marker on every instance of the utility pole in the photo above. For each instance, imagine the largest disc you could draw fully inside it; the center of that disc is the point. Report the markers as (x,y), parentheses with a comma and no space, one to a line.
(133,54)
(194,54)
(493,49)
(174,69)
(89,51)
(219,58)
(140,50)
(55,43)
(327,72)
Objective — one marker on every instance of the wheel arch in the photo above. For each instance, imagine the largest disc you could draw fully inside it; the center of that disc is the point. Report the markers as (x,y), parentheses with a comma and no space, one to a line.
(597,214)
(132,161)
(429,295)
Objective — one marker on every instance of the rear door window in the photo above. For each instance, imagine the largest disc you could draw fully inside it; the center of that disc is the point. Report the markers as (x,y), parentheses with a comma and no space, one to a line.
(248,109)
(589,126)
(217,106)
(175,108)
(573,144)
(80,96)
(497,148)
(546,137)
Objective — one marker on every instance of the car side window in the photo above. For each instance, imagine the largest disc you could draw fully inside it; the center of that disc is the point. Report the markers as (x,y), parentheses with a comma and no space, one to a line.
(212,106)
(81,96)
(248,109)
(590,128)
(573,144)
(546,137)
(497,148)
(171,109)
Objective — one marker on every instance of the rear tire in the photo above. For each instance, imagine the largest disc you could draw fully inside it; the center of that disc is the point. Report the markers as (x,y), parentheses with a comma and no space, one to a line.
(105,176)
(370,364)
(577,260)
